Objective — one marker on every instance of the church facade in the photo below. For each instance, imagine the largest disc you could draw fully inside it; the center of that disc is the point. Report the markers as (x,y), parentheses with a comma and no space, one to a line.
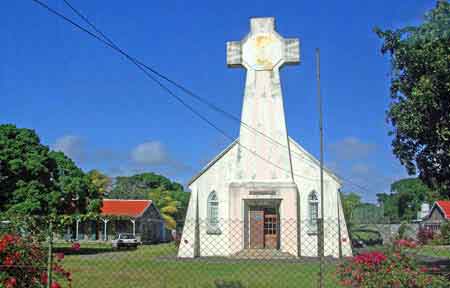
(262,192)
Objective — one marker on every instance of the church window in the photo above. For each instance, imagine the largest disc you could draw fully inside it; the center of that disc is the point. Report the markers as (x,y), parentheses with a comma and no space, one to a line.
(313,200)
(213,210)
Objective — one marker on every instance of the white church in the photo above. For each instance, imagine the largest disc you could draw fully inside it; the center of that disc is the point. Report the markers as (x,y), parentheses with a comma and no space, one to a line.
(262,192)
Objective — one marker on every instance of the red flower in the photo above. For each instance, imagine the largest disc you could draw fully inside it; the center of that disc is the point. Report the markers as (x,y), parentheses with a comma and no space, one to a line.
(8,238)
(435,269)
(44,278)
(11,282)
(8,261)
(2,245)
(55,285)
(405,243)
(76,246)
(59,256)
(346,282)
(424,269)
(370,258)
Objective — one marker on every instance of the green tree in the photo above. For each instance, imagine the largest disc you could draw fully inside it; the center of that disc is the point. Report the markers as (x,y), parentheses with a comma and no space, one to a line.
(100,181)
(169,197)
(36,181)
(349,203)
(168,207)
(171,204)
(420,90)
(76,193)
(137,186)
(389,204)
(26,171)
(405,199)
(411,193)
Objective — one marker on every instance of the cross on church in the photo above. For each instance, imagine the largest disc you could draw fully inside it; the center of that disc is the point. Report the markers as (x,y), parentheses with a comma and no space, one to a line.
(262,52)
(263,48)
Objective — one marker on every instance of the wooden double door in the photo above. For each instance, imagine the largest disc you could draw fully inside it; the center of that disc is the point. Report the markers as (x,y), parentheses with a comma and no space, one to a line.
(264,229)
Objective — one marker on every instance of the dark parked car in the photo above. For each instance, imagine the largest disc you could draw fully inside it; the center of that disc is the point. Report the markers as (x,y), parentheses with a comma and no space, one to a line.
(365,237)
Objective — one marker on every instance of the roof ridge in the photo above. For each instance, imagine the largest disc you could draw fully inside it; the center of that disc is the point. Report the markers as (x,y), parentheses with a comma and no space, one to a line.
(445,209)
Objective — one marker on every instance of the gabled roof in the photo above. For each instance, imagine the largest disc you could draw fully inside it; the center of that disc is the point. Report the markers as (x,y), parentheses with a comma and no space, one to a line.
(315,161)
(221,154)
(121,207)
(444,206)
(211,163)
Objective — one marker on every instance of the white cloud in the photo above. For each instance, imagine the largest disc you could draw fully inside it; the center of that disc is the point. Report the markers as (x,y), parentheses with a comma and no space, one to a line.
(72,146)
(150,153)
(351,148)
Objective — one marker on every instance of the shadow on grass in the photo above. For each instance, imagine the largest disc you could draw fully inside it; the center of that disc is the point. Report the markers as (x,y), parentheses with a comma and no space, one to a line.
(228,284)
(89,250)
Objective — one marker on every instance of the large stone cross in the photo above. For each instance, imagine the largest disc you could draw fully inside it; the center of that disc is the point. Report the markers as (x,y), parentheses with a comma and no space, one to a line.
(263,155)
(263,48)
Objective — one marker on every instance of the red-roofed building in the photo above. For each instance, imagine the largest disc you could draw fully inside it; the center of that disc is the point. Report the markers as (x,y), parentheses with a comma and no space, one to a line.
(130,208)
(138,217)
(439,213)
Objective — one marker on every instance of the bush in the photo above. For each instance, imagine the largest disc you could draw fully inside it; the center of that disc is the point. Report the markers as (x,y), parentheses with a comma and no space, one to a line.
(23,263)
(424,235)
(403,230)
(395,267)
(445,233)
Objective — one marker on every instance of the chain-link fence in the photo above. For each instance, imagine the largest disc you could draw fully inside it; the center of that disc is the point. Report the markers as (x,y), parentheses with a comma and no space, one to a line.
(260,252)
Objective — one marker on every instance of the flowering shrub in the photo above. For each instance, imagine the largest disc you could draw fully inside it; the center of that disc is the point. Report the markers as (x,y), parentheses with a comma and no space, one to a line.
(424,235)
(76,246)
(445,233)
(23,263)
(405,243)
(395,267)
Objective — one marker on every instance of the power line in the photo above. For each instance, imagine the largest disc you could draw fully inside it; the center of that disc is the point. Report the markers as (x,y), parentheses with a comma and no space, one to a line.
(182,87)
(196,96)
(170,92)
(108,41)
(142,65)
(201,99)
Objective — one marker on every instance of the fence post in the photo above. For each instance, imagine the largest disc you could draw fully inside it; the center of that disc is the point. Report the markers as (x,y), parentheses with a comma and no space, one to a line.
(50,256)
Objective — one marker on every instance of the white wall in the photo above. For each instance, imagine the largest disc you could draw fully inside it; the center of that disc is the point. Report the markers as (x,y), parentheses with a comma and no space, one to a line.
(307,177)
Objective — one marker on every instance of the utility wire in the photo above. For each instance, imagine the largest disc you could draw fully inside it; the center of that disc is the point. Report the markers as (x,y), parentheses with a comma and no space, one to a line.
(182,87)
(108,41)
(170,92)
(199,98)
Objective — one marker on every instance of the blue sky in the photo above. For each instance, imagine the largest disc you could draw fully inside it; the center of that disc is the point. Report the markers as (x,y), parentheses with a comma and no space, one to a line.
(84,99)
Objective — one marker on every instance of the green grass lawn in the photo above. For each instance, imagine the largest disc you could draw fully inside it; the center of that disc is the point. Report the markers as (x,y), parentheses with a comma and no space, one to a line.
(434,251)
(96,265)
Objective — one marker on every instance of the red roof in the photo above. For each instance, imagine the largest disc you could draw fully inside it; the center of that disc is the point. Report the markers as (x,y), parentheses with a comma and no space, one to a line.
(445,207)
(131,208)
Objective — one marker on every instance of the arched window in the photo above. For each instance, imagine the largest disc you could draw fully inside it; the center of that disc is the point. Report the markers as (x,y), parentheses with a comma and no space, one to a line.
(313,200)
(213,210)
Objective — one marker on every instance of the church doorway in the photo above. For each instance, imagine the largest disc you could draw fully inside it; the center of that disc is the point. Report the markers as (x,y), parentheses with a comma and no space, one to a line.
(264,228)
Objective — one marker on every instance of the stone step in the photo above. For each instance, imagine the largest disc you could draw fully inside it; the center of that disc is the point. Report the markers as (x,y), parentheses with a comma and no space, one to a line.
(262,254)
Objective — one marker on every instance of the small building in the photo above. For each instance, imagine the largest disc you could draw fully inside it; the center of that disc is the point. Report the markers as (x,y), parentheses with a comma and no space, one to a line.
(139,217)
(439,213)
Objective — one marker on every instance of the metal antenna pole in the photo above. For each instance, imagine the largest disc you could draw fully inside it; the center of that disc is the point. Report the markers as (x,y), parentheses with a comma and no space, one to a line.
(321,222)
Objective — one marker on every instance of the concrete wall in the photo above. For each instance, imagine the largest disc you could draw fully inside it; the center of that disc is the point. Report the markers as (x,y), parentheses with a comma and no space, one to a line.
(307,177)
(216,178)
